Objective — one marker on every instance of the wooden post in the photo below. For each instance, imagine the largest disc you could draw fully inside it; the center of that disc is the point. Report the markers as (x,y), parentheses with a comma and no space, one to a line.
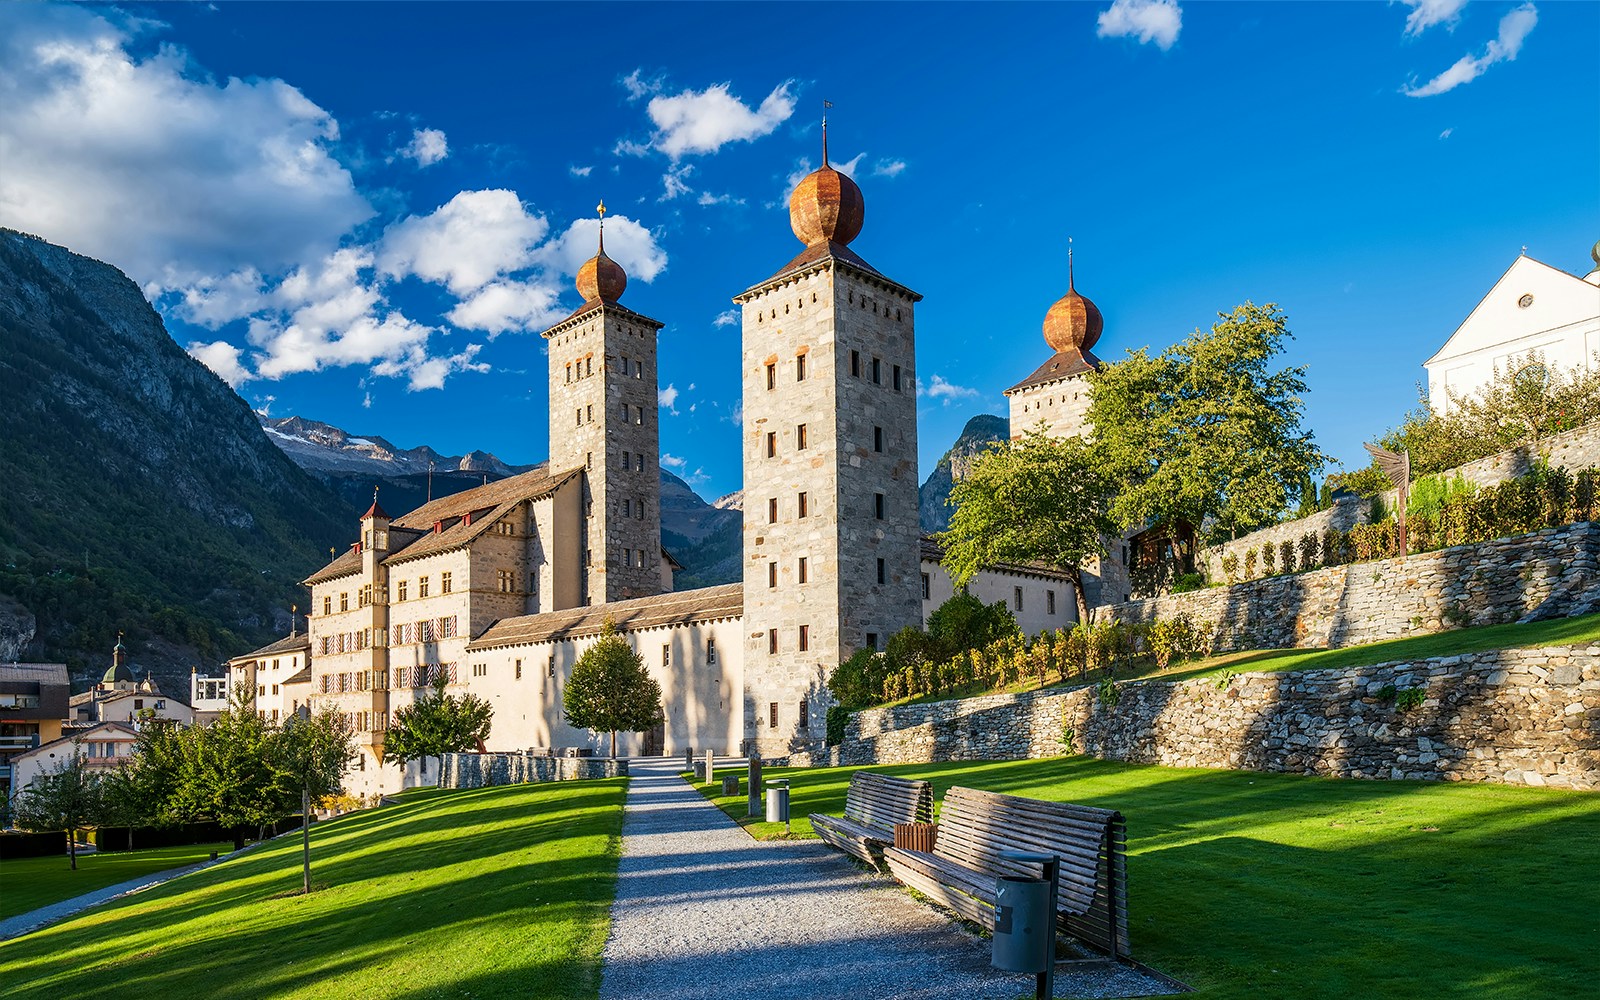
(305,836)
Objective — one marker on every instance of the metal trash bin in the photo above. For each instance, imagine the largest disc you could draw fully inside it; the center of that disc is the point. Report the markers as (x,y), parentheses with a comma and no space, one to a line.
(1023,929)
(778,801)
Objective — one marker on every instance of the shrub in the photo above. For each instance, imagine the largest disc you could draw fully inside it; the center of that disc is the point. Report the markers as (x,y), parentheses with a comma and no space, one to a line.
(1286,555)
(1250,564)
(1188,582)
(1230,566)
(1172,638)
(1108,692)
(1269,559)
(838,716)
(1309,543)
(1409,698)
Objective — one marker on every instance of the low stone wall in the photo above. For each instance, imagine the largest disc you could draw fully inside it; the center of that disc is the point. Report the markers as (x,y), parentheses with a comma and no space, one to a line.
(478,770)
(1525,716)
(1346,513)
(1544,574)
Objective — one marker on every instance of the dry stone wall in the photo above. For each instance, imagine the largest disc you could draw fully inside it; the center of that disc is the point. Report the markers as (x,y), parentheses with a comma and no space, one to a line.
(1544,574)
(1346,513)
(479,770)
(1524,716)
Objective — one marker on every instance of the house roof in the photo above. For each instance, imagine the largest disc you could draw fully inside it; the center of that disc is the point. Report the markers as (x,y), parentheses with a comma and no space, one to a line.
(288,644)
(1510,324)
(112,728)
(1060,365)
(595,305)
(678,608)
(819,256)
(412,535)
(932,551)
(33,673)
(301,676)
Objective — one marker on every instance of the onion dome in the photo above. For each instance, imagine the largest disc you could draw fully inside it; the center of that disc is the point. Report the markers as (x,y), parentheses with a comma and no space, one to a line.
(1073,323)
(601,279)
(826,206)
(118,671)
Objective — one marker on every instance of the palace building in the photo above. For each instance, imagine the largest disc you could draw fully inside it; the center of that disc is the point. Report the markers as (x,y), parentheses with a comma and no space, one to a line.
(501,588)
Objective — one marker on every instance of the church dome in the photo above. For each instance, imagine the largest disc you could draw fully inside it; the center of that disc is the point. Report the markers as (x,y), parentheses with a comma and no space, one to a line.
(1073,323)
(826,207)
(118,671)
(601,279)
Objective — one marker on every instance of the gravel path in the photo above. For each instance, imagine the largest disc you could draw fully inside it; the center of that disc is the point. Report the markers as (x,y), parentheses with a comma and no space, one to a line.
(703,910)
(33,920)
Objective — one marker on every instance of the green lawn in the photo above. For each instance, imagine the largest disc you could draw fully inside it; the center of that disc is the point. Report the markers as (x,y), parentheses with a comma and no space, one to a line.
(497,892)
(1251,885)
(34,882)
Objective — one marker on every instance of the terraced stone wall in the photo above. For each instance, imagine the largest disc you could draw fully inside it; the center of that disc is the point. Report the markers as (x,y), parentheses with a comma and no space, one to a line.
(478,770)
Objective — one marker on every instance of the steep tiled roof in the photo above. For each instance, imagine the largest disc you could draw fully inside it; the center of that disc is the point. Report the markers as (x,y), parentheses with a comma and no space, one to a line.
(1062,364)
(595,305)
(412,536)
(932,551)
(679,608)
(111,728)
(820,253)
(301,676)
(288,644)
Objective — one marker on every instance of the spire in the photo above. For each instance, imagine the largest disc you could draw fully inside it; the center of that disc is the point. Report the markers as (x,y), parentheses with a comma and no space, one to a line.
(1070,285)
(374,510)
(825,106)
(601,208)
(601,279)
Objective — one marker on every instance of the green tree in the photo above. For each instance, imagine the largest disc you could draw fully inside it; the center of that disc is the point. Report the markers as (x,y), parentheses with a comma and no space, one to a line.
(964,623)
(437,724)
(1208,432)
(231,772)
(610,690)
(316,751)
(66,797)
(1037,499)
(121,801)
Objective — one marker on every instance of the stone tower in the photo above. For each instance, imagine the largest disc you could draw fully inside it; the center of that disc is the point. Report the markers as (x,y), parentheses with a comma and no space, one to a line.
(603,420)
(831,534)
(372,642)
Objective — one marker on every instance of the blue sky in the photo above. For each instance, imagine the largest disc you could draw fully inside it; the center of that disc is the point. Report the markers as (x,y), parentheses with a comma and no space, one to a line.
(364,213)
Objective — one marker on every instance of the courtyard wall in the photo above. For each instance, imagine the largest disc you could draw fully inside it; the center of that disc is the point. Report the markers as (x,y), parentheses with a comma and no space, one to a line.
(479,770)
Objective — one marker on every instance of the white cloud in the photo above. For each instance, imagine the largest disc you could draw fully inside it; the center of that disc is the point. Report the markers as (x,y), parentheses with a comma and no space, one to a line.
(509,305)
(152,165)
(627,242)
(1427,13)
(366,401)
(674,462)
(1157,21)
(638,86)
(474,238)
(850,167)
(578,171)
(707,198)
(667,399)
(674,183)
(428,146)
(703,121)
(213,301)
(1446,133)
(222,358)
(728,317)
(1514,28)
(888,168)
(424,372)
(948,392)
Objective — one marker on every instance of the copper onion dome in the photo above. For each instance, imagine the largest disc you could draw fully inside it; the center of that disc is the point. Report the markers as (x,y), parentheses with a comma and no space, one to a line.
(1073,323)
(826,206)
(601,278)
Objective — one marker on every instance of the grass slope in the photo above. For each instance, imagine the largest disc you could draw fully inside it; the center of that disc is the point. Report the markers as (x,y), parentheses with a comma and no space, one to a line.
(501,892)
(34,882)
(1251,885)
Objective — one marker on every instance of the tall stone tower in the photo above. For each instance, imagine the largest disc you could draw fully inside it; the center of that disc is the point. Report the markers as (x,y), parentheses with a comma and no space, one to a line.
(603,419)
(831,534)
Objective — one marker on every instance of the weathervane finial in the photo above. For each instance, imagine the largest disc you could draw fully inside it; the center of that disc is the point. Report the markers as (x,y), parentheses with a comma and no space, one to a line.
(825,106)
(601,209)
(1069,264)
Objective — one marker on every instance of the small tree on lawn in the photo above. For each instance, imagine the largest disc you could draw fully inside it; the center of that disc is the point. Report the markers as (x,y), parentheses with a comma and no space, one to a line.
(1037,499)
(437,724)
(121,801)
(66,797)
(610,690)
(231,772)
(315,753)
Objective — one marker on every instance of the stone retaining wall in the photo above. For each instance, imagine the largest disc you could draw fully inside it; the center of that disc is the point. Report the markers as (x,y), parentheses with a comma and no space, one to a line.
(1346,513)
(1544,574)
(477,770)
(1526,716)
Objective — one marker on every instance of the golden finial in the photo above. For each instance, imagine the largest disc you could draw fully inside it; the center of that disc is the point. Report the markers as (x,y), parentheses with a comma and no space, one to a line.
(601,208)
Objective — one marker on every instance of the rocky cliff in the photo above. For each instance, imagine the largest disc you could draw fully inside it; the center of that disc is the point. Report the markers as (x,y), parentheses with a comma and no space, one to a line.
(980,432)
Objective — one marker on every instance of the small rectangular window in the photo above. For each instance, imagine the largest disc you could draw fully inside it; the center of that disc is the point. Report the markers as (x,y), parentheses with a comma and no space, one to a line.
(855,364)
(772,510)
(804,504)
(805,712)
(638,462)
(877,439)
(519,671)
(624,364)
(772,375)
(569,373)
(1049,602)
(344,602)
(772,640)
(711,650)
(805,638)
(800,437)
(588,413)
(552,667)
(638,415)
(772,574)
(927,587)
(422,586)
(896,378)
(445,582)
(877,372)
(802,571)
(772,444)
(882,572)
(872,640)
(666,654)
(800,368)
(877,506)
(578,416)
(624,412)
(1016,598)
(772,716)
(627,508)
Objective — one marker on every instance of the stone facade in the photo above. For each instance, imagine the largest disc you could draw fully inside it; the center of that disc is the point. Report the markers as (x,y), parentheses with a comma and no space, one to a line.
(1519,716)
(481,770)
(604,420)
(1061,408)
(832,545)
(1544,574)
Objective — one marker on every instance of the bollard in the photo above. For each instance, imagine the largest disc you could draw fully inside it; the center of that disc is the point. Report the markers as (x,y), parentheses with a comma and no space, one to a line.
(778,803)
(730,784)
(752,803)
(711,767)
(688,759)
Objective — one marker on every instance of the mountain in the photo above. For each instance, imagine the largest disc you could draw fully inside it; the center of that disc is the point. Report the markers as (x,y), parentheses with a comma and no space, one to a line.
(140,492)
(705,539)
(980,432)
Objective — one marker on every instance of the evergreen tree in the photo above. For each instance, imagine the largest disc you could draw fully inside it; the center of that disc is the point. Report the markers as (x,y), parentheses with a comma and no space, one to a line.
(610,690)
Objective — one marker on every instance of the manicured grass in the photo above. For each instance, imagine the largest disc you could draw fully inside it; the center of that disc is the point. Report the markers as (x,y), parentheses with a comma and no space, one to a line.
(1250,885)
(497,892)
(34,882)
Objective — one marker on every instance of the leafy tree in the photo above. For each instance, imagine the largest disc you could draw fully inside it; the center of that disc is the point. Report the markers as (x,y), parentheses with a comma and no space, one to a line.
(1208,431)
(1037,499)
(858,681)
(67,797)
(231,772)
(316,751)
(437,724)
(611,691)
(963,622)
(122,802)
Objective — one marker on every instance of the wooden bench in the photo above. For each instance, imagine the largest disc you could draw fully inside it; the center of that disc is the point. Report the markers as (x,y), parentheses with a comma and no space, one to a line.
(872,806)
(975,826)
